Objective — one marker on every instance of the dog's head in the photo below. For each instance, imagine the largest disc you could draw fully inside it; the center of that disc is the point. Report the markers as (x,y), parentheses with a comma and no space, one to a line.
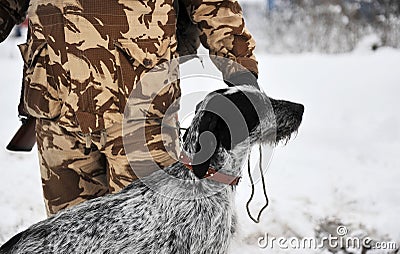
(228,117)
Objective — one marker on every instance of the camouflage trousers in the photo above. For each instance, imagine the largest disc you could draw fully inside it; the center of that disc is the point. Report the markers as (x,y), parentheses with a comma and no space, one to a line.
(71,173)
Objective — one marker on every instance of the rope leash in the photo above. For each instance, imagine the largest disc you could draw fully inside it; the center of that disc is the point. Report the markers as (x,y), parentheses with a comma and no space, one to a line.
(255,220)
(252,189)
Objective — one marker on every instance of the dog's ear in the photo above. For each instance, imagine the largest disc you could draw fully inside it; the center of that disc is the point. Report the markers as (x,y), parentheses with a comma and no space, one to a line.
(222,124)
(207,143)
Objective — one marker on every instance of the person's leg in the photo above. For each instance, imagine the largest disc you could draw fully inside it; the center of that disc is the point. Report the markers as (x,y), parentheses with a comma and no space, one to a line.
(119,172)
(142,153)
(68,175)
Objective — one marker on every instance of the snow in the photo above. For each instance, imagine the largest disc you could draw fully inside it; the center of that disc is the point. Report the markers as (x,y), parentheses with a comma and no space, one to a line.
(343,164)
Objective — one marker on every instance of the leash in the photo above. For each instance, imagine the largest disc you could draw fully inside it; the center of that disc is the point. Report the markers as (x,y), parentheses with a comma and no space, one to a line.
(252,189)
(214,175)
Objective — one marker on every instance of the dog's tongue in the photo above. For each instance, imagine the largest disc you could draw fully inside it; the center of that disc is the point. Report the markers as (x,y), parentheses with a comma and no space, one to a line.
(258,163)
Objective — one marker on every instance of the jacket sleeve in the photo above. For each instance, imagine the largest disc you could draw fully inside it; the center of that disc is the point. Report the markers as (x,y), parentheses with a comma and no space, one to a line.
(11,12)
(224,34)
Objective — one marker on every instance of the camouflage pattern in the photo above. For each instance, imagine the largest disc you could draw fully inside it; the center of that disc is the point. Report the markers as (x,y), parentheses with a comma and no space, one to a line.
(220,27)
(82,61)
(223,32)
(96,54)
(40,90)
(70,175)
(11,12)
(89,45)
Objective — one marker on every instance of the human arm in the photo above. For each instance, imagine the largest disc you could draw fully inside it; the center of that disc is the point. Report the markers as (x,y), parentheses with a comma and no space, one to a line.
(224,34)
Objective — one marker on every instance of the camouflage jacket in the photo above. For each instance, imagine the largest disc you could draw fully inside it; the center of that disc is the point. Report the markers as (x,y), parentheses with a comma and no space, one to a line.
(83,58)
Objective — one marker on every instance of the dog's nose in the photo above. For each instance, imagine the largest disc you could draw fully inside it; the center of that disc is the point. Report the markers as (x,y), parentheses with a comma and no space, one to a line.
(298,108)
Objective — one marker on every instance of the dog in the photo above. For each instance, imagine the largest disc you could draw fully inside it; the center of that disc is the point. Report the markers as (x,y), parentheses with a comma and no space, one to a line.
(184,208)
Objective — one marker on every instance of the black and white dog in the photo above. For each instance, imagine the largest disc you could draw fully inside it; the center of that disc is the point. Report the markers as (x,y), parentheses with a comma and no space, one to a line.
(184,208)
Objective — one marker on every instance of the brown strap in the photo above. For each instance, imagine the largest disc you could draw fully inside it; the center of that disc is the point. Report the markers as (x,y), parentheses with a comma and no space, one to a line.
(211,173)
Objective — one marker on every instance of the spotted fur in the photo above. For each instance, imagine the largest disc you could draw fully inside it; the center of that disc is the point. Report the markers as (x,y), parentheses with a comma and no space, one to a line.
(173,210)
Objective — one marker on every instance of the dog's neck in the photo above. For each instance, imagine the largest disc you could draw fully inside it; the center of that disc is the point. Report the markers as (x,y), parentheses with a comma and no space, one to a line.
(228,162)
(212,173)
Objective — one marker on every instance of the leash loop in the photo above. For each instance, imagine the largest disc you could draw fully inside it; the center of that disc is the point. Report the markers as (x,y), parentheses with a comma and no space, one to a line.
(252,189)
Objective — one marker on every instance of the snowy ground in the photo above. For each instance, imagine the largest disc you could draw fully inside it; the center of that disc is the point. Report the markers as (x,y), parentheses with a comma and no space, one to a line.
(343,165)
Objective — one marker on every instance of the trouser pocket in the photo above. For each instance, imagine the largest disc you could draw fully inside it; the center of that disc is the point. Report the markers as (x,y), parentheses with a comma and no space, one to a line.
(41,98)
(146,76)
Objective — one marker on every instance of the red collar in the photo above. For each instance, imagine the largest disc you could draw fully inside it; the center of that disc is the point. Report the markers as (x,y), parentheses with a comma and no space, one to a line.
(211,173)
